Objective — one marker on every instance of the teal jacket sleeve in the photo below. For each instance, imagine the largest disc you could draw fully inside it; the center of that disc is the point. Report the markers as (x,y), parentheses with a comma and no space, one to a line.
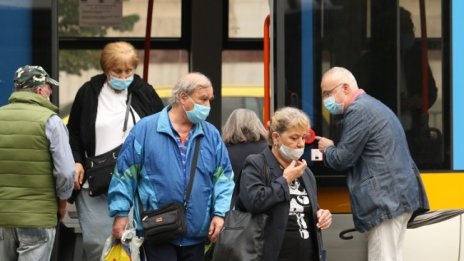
(223,180)
(125,178)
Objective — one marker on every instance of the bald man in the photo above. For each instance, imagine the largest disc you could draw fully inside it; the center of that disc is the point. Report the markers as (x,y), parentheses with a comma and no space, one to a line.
(384,183)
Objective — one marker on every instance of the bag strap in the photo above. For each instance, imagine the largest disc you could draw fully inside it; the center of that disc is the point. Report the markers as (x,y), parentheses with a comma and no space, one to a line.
(129,100)
(126,117)
(267,178)
(192,171)
(192,176)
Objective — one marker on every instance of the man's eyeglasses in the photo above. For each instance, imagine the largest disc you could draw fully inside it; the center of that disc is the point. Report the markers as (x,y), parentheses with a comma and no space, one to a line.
(326,94)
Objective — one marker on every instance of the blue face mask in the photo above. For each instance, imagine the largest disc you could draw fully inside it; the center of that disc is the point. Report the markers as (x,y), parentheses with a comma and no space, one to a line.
(121,84)
(198,114)
(332,106)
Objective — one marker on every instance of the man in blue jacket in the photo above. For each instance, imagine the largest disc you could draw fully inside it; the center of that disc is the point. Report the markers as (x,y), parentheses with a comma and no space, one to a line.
(154,164)
(383,180)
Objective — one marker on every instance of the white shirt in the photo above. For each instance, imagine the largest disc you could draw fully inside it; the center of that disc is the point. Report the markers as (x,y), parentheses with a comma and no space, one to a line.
(109,123)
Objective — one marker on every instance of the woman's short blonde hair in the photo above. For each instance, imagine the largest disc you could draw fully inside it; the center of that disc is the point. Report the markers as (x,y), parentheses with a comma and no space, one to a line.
(243,125)
(118,53)
(288,118)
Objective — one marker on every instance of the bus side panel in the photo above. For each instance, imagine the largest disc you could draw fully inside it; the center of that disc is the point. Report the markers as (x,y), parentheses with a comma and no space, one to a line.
(457,51)
(440,241)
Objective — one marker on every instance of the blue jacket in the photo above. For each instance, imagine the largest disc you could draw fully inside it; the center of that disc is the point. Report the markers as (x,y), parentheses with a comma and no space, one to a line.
(150,163)
(383,180)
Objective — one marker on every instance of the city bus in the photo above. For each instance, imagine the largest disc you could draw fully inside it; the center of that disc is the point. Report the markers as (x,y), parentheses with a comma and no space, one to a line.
(305,38)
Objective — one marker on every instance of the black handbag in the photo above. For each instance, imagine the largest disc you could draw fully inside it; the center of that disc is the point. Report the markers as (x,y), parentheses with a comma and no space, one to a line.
(99,169)
(242,236)
(168,222)
(164,224)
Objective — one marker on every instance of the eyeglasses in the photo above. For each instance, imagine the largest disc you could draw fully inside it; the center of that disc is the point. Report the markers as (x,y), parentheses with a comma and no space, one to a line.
(326,94)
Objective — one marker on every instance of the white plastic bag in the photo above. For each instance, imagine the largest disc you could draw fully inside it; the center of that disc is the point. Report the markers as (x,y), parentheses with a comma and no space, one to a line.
(130,244)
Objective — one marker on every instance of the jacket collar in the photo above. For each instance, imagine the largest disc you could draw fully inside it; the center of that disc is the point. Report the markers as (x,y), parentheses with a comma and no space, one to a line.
(164,124)
(270,158)
(32,98)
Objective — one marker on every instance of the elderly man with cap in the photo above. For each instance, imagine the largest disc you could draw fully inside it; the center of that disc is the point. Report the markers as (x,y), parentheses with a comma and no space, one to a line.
(36,168)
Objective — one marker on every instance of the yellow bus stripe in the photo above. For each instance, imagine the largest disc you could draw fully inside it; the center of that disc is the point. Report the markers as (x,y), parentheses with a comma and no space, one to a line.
(444,191)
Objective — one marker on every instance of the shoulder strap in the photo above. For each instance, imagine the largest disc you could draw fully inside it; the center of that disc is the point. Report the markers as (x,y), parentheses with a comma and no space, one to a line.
(124,128)
(192,171)
(192,176)
(266,171)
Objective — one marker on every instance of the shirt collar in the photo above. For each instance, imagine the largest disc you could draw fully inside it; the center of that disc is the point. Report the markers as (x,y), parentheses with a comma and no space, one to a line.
(356,94)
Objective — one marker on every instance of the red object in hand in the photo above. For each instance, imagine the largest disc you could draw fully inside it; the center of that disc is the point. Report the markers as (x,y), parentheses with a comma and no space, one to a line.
(310,137)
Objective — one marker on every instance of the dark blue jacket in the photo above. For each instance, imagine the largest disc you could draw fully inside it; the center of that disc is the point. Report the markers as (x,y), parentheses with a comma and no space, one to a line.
(238,153)
(274,200)
(383,180)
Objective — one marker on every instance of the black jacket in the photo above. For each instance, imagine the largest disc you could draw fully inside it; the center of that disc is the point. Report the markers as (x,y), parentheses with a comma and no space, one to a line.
(238,153)
(81,123)
(274,200)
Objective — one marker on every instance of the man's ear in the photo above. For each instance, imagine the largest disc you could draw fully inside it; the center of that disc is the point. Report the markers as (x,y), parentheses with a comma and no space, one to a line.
(346,88)
(182,97)
(38,90)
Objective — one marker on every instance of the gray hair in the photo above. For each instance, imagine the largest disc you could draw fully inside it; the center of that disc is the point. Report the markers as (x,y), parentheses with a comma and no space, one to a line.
(287,118)
(344,73)
(188,84)
(31,89)
(19,89)
(243,125)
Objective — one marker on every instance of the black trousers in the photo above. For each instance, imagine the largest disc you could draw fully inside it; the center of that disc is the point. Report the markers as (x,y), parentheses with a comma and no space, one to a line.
(170,252)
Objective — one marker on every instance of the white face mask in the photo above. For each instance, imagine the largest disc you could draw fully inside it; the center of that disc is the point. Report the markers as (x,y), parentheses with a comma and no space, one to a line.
(290,154)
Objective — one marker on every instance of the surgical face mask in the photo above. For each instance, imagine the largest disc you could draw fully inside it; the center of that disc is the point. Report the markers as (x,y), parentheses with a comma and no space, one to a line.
(290,154)
(121,84)
(332,106)
(198,114)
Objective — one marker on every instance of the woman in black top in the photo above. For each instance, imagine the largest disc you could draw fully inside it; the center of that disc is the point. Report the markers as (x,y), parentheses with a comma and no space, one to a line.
(293,231)
(244,134)
(96,126)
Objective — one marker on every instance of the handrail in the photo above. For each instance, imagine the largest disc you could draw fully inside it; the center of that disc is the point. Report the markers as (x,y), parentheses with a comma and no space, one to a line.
(425,58)
(267,85)
(146,54)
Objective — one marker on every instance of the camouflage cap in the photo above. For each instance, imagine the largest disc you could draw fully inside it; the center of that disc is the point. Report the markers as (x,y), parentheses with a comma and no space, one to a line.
(30,76)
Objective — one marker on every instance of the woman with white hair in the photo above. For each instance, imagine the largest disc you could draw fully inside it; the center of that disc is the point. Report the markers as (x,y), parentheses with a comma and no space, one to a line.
(244,134)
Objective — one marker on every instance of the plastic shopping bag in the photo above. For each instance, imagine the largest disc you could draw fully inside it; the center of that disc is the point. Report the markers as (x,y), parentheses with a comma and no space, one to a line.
(117,251)
(124,249)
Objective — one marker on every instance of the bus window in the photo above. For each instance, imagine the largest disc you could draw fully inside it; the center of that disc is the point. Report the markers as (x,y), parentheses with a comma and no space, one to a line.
(397,55)
(231,103)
